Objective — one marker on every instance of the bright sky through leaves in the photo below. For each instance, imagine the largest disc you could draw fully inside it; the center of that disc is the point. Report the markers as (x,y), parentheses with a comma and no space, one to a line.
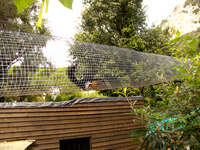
(157,10)
(65,22)
(23,4)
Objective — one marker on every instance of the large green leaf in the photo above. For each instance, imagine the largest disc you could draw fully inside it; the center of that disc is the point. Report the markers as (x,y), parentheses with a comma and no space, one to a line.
(193,43)
(22,4)
(67,3)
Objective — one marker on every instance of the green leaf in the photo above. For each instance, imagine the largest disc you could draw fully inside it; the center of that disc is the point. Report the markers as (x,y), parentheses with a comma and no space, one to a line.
(175,40)
(47,6)
(193,43)
(39,22)
(22,4)
(187,37)
(67,3)
(178,33)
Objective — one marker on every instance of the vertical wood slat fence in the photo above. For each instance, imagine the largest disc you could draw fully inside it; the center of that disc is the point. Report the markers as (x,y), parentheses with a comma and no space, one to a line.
(107,121)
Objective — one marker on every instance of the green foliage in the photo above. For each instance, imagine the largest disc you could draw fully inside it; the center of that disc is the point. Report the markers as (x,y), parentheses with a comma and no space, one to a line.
(25,22)
(113,23)
(119,92)
(156,40)
(186,45)
(192,2)
(29,98)
(22,4)
(196,4)
(71,96)
(67,3)
(39,22)
(174,121)
(58,76)
(121,23)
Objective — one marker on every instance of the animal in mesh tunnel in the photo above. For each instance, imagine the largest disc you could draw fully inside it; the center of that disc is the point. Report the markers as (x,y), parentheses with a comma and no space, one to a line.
(87,82)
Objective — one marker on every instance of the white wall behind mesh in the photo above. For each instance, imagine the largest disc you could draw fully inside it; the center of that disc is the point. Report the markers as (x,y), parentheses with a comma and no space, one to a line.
(34,64)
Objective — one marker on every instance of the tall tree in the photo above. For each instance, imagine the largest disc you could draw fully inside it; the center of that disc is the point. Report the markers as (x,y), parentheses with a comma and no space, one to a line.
(118,23)
(121,23)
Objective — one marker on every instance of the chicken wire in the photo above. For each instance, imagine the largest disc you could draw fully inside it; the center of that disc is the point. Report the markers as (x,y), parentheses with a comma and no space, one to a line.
(33,64)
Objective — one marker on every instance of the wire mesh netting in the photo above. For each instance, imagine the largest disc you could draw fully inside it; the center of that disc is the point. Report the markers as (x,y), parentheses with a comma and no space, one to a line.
(35,64)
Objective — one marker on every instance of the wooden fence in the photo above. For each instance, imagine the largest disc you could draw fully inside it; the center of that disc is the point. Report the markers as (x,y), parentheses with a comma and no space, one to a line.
(106,122)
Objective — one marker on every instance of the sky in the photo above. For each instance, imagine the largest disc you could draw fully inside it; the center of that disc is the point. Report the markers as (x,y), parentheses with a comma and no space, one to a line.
(157,10)
(64,22)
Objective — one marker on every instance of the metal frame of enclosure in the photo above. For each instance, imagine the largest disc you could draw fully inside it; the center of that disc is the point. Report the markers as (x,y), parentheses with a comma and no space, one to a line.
(105,122)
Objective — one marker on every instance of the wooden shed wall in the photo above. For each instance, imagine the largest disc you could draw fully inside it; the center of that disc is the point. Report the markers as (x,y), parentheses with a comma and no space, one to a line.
(107,123)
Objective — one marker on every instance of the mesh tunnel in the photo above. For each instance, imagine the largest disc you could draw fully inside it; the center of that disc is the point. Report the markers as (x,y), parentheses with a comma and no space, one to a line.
(33,64)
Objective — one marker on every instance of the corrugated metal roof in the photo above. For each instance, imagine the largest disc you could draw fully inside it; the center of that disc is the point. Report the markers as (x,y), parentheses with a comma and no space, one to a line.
(71,102)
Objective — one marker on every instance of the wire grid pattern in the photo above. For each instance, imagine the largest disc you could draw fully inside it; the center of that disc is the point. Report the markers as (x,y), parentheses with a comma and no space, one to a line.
(32,64)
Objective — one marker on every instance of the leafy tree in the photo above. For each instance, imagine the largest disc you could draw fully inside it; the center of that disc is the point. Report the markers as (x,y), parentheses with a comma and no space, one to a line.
(156,40)
(113,22)
(186,45)
(174,122)
(121,23)
(192,2)
(102,23)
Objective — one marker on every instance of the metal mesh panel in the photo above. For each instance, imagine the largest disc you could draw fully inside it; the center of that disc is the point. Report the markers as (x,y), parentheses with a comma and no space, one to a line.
(35,64)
